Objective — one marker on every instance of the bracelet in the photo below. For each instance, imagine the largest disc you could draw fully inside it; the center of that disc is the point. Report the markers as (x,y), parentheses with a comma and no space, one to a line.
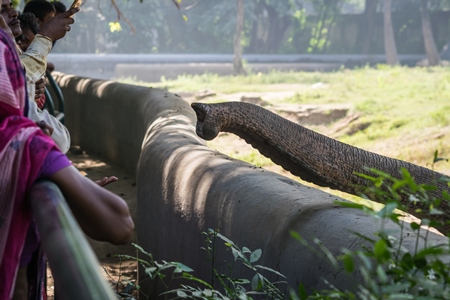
(46,36)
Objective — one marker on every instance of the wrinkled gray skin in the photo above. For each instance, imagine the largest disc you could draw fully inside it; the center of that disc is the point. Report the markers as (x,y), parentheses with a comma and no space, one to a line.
(311,156)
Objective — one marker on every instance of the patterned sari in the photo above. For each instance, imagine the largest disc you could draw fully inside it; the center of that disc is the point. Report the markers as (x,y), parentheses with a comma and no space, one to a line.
(23,149)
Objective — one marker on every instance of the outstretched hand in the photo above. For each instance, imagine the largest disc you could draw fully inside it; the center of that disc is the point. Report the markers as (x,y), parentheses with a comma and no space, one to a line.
(59,25)
(106,180)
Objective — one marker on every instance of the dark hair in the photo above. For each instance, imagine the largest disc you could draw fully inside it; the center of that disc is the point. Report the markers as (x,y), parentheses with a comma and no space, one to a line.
(40,8)
(28,20)
(59,6)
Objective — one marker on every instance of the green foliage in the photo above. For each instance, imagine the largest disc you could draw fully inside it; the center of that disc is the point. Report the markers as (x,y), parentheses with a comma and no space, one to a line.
(389,270)
(231,288)
(271,26)
(234,288)
(328,12)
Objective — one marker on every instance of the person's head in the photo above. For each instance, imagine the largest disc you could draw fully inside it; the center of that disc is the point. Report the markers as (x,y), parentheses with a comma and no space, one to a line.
(30,28)
(11,17)
(42,9)
(59,7)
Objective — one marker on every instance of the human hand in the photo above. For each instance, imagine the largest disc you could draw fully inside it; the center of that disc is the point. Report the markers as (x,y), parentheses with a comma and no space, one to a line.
(40,88)
(46,128)
(106,180)
(50,67)
(58,26)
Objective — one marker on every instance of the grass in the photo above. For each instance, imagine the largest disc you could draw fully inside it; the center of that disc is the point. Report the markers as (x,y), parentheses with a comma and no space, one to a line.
(407,109)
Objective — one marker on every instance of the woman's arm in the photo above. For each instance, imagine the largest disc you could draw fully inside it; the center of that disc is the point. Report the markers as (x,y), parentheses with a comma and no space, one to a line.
(101,214)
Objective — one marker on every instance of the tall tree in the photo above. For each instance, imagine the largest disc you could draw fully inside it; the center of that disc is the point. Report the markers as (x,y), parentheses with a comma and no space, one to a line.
(389,40)
(369,20)
(428,38)
(237,60)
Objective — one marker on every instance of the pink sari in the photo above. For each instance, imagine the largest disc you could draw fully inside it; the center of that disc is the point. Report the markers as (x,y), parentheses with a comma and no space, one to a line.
(23,149)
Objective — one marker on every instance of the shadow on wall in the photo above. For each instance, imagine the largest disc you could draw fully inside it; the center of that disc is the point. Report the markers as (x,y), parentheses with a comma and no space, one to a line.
(184,188)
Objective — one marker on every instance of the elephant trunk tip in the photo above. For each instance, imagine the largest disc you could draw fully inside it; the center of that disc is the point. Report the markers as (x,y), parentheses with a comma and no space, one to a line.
(203,130)
(200,111)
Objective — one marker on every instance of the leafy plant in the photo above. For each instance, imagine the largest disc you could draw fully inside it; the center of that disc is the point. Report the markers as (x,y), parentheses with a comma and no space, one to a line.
(389,270)
(229,287)
(239,288)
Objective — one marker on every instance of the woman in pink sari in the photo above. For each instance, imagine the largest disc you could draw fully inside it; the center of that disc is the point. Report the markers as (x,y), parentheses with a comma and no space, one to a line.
(28,154)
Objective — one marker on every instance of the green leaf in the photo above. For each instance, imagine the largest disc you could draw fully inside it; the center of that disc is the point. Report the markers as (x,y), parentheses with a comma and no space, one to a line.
(348,263)
(236,253)
(415,225)
(141,249)
(255,282)
(380,249)
(149,271)
(270,270)
(382,276)
(241,281)
(431,251)
(181,268)
(350,204)
(182,294)
(420,262)
(227,241)
(407,262)
(325,251)
(295,235)
(255,255)
(387,210)
(302,292)
(191,277)
(246,250)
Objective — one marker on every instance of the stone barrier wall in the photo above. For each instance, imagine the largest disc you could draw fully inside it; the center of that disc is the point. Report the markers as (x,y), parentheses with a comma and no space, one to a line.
(184,188)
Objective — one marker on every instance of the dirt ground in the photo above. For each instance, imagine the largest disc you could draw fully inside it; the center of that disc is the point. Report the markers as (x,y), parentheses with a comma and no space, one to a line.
(118,273)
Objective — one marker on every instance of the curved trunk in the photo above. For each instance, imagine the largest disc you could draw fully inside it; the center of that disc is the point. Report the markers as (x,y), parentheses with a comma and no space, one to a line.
(311,156)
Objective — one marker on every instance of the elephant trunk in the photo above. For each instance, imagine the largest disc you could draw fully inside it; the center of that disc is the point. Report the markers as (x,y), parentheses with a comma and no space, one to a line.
(311,156)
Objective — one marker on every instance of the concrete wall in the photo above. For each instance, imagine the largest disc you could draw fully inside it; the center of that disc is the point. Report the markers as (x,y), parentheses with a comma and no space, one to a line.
(151,67)
(184,188)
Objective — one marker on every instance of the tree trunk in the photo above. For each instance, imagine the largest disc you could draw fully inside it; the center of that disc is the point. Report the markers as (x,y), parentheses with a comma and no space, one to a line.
(237,61)
(428,38)
(276,30)
(389,39)
(369,16)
